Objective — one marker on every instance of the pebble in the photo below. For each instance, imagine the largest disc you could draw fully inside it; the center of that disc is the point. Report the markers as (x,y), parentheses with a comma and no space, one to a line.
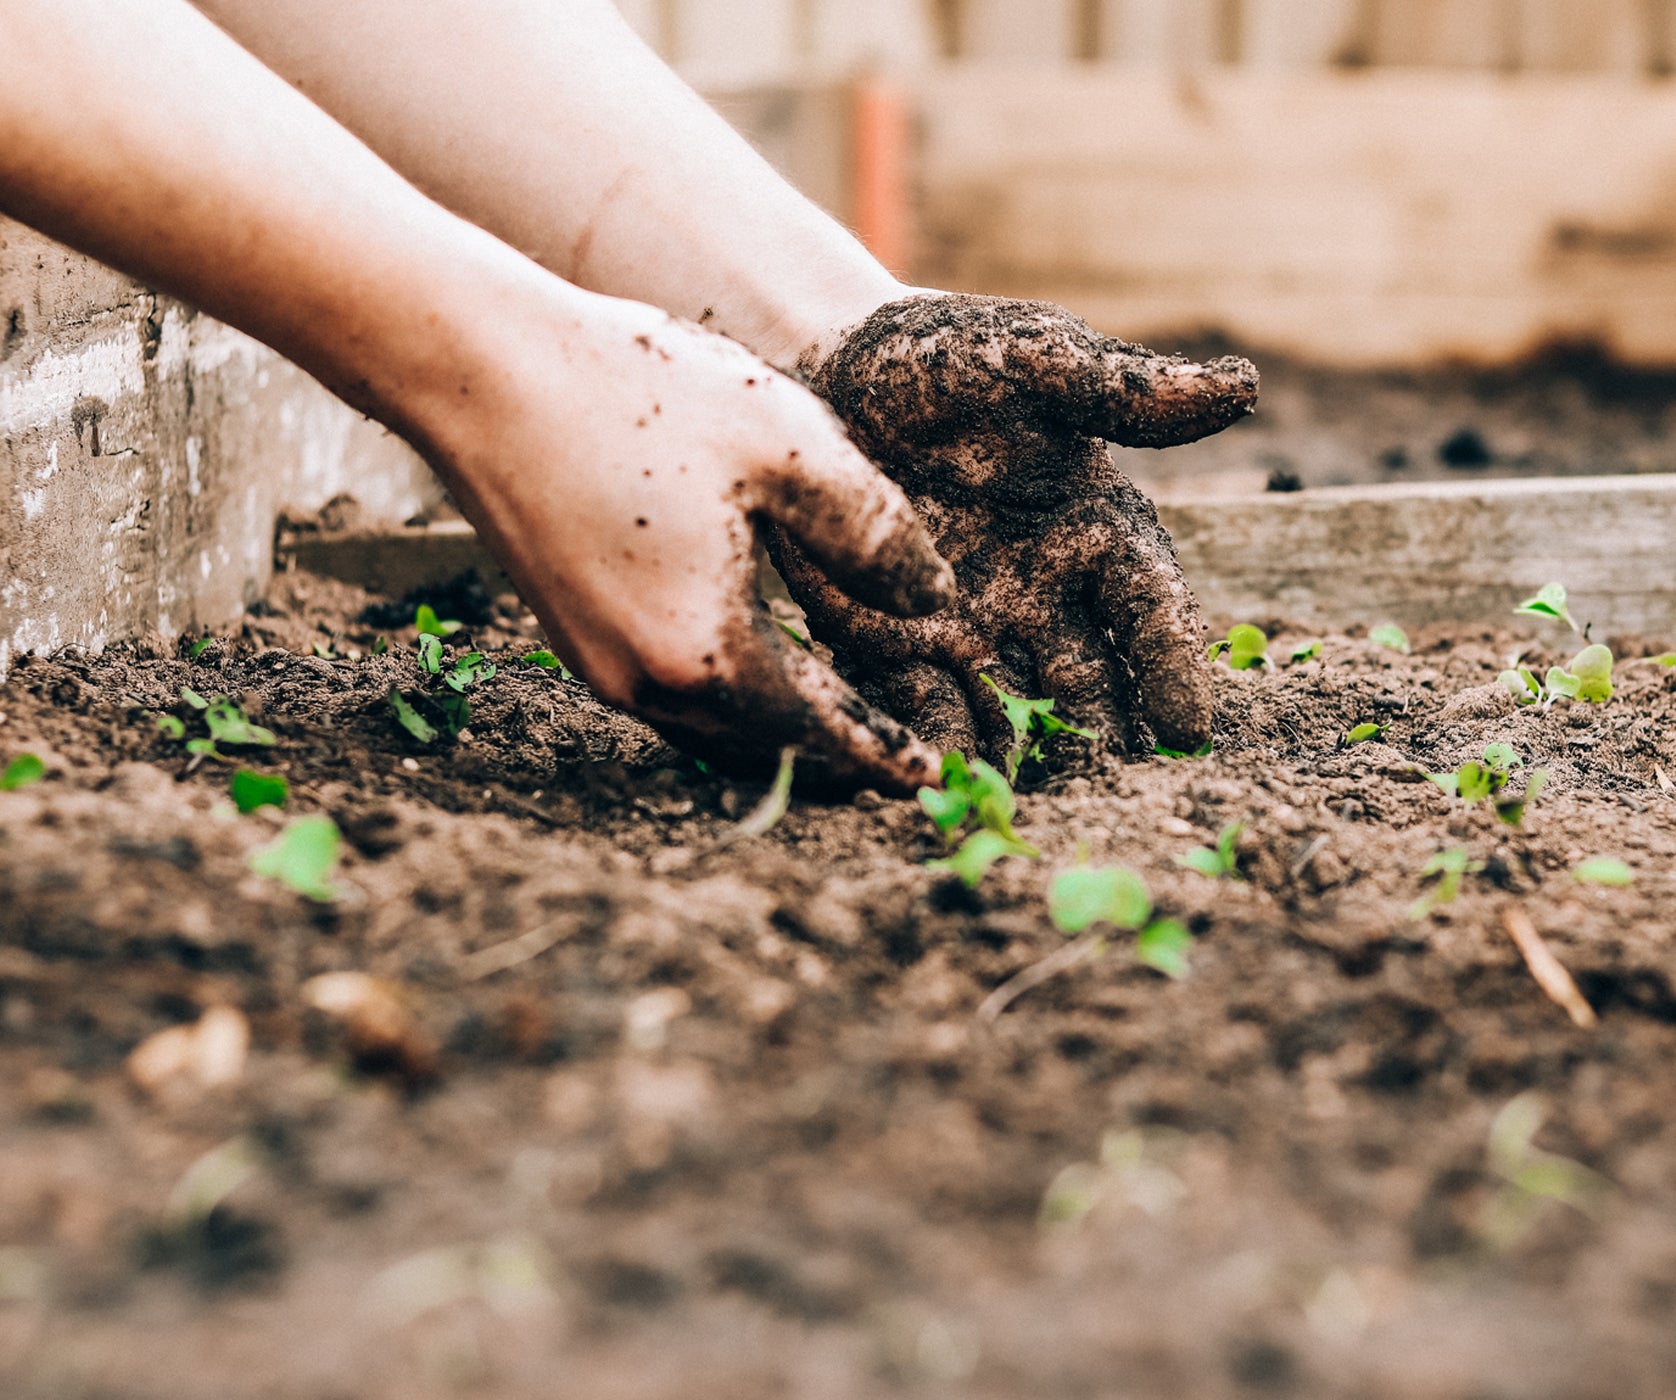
(209,1054)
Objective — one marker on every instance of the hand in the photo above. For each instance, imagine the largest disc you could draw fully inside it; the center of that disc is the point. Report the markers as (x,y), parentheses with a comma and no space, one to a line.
(619,461)
(994,416)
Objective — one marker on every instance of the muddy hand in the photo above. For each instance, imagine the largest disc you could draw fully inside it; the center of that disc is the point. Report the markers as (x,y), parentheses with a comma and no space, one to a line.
(994,416)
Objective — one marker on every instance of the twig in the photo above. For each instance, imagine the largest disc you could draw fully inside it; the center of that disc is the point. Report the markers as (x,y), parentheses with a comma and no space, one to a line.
(990,1009)
(1549,972)
(766,815)
(486,962)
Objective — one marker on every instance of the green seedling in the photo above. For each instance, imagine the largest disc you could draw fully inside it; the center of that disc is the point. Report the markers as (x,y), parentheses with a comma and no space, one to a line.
(1550,601)
(1450,867)
(1475,780)
(1203,751)
(250,790)
(192,698)
(205,748)
(199,647)
(1082,898)
(974,792)
(468,671)
(1306,651)
(1532,1179)
(1362,733)
(379,646)
(170,726)
(23,770)
(430,653)
(1512,809)
(1590,674)
(768,813)
(428,624)
(1218,862)
(1245,647)
(410,719)
(1033,724)
(548,662)
(303,858)
(1527,690)
(1391,637)
(228,724)
(1604,870)
(1502,756)
(795,635)
(323,650)
(1667,660)
(455,710)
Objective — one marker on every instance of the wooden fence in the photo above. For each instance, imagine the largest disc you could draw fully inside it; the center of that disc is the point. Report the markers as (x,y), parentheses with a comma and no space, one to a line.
(720,42)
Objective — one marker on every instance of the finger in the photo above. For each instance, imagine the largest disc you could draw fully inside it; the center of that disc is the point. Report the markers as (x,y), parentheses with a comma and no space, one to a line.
(1157,630)
(775,694)
(1077,672)
(856,523)
(1137,398)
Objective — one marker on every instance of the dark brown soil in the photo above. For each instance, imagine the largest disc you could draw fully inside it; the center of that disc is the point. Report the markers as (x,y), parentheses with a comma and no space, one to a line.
(731,1127)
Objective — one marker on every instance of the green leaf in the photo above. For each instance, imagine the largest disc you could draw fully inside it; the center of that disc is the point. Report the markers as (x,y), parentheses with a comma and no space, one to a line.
(1081,898)
(1215,649)
(1363,732)
(1203,751)
(1248,646)
(251,790)
(228,725)
(978,852)
(1593,668)
(1503,757)
(469,670)
(1560,682)
(1163,946)
(199,647)
(410,719)
(428,624)
(1527,690)
(1391,637)
(1474,782)
(205,748)
(455,710)
(548,662)
(1550,601)
(192,698)
(1604,870)
(380,645)
(171,726)
(1226,841)
(1512,809)
(1449,782)
(948,810)
(23,770)
(1032,722)
(1202,860)
(1668,659)
(302,858)
(1306,651)
(430,653)
(794,634)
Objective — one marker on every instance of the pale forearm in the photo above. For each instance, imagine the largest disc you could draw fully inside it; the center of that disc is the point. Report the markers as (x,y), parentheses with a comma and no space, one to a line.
(550,124)
(216,182)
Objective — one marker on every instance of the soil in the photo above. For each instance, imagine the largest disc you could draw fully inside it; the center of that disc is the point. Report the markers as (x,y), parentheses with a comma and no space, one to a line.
(660,1110)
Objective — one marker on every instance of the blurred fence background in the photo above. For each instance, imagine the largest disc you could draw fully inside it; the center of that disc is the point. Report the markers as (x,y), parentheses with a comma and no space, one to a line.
(731,41)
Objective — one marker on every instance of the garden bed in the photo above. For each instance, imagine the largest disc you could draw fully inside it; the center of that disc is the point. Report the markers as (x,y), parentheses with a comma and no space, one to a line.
(660,1111)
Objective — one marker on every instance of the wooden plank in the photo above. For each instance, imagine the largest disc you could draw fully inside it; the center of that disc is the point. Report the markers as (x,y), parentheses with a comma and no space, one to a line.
(1406,554)
(1437,552)
(1160,33)
(1445,33)
(1331,215)
(1293,34)
(1042,31)
(1583,36)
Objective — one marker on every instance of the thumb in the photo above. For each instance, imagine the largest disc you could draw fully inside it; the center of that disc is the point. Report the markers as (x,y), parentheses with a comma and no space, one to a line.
(859,527)
(1138,398)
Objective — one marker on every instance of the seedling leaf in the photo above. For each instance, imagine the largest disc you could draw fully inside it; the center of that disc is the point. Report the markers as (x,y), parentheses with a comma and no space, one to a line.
(192,698)
(469,670)
(1668,659)
(1527,690)
(1203,751)
(23,770)
(302,858)
(171,726)
(1363,732)
(978,852)
(1503,756)
(1218,862)
(430,653)
(1604,870)
(1391,637)
(794,634)
(198,647)
(411,720)
(251,790)
(380,645)
(228,725)
(1086,896)
(1163,946)
(1550,601)
(1512,809)
(1474,782)
(948,809)
(548,662)
(1033,723)
(1246,646)
(205,748)
(1306,651)
(428,624)
(455,710)
(1593,668)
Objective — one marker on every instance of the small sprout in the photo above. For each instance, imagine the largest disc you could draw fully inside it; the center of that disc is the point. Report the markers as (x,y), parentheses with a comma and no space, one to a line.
(1477,779)
(767,814)
(250,790)
(428,624)
(1245,647)
(1550,601)
(199,647)
(430,653)
(204,748)
(171,726)
(1362,733)
(1033,724)
(23,770)
(974,791)
(548,662)
(794,634)
(1512,809)
(1450,867)
(1593,668)
(1668,659)
(1522,681)
(455,710)
(1604,870)
(469,670)
(1306,651)
(1216,862)
(229,725)
(978,852)
(192,698)
(302,858)
(379,646)
(1081,898)
(410,719)
(1203,751)
(1391,637)
(1502,756)
(1531,1177)
(323,650)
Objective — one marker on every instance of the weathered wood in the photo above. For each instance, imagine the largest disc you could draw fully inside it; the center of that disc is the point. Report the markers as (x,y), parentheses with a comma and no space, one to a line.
(1603,36)
(1406,554)
(1437,553)
(1041,32)
(1445,33)
(1373,218)
(1161,33)
(1293,34)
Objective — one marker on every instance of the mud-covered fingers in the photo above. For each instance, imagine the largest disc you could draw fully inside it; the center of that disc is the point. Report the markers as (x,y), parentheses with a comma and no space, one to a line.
(1076,670)
(1140,399)
(1156,627)
(857,525)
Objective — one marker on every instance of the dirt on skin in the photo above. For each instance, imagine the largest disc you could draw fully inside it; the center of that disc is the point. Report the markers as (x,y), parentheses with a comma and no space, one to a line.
(725,1122)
